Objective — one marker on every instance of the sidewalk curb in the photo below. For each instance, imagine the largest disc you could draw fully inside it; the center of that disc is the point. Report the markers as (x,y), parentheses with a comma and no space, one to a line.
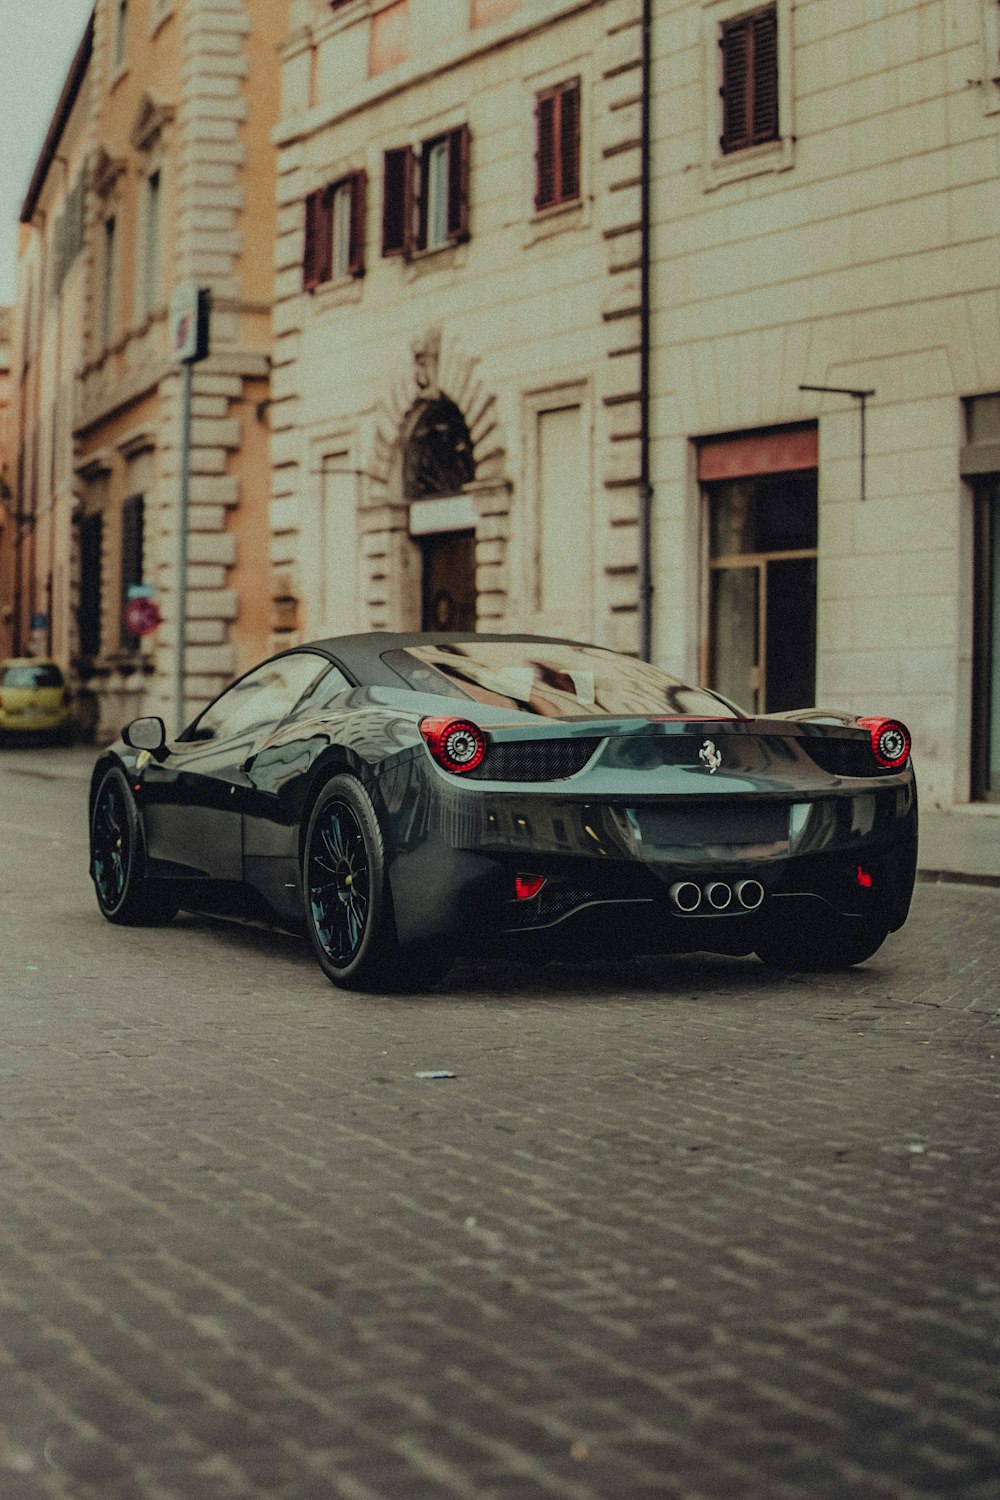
(957,877)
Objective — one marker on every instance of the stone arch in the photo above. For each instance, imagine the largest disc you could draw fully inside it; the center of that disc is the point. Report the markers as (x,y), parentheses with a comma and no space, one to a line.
(438,372)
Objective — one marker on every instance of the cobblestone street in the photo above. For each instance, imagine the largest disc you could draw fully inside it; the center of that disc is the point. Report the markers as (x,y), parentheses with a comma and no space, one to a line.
(682,1228)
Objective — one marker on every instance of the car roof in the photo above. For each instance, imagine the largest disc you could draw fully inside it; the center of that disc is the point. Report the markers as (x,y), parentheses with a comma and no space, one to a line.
(362,654)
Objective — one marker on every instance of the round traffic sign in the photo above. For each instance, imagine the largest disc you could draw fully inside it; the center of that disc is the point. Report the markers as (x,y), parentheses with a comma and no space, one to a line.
(141,616)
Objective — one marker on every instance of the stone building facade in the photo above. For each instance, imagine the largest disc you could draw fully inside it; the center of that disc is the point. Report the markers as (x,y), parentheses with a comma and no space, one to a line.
(823,353)
(8,507)
(826,356)
(175,184)
(47,354)
(456,381)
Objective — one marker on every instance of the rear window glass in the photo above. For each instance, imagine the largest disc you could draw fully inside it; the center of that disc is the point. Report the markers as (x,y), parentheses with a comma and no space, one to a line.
(555,680)
(26,676)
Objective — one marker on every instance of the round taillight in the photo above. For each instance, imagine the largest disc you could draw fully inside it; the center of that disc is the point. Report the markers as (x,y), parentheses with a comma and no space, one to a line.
(456,744)
(890,741)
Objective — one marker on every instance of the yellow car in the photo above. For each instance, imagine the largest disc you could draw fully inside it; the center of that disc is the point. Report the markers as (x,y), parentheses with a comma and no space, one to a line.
(34,699)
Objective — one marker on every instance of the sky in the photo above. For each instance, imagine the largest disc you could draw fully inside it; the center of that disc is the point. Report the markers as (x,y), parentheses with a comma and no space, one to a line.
(37,41)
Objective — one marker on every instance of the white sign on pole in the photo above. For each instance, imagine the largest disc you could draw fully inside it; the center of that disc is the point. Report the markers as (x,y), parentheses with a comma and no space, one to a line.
(189,314)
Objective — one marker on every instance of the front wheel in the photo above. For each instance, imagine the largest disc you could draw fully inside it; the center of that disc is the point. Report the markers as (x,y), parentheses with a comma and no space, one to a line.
(834,944)
(118,859)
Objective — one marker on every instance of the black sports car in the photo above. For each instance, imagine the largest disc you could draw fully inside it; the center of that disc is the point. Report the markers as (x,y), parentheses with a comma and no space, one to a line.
(403,798)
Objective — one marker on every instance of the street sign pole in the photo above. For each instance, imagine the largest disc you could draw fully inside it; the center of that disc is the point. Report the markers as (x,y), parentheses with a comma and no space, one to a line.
(187,382)
(190,313)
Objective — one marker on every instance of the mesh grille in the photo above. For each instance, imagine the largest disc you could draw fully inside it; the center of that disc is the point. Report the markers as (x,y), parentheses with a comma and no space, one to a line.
(844,757)
(534,760)
(555,901)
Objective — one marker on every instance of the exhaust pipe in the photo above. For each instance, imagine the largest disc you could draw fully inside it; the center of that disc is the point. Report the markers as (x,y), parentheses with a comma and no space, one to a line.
(685,895)
(718,895)
(750,894)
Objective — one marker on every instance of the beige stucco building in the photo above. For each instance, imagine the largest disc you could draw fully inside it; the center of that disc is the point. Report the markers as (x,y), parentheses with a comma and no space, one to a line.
(456,370)
(8,509)
(847,539)
(158,170)
(463,422)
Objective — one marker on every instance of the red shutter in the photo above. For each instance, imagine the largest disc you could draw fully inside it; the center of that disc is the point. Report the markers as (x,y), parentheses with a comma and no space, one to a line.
(765,76)
(569,142)
(458,184)
(310,266)
(397,202)
(359,208)
(545,150)
(735,45)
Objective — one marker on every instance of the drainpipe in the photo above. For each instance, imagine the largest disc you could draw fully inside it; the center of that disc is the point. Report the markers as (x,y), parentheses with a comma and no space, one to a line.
(645,488)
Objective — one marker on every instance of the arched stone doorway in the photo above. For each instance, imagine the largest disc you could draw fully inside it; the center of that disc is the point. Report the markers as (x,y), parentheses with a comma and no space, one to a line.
(437,496)
(438,465)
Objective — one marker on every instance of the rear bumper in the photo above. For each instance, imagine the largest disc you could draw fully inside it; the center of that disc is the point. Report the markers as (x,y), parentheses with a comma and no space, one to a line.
(608,887)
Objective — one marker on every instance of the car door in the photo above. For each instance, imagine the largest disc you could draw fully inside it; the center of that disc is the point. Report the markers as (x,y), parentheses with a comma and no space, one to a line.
(194,800)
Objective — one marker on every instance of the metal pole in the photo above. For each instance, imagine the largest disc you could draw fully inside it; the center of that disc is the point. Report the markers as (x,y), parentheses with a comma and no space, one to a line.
(861,397)
(182,536)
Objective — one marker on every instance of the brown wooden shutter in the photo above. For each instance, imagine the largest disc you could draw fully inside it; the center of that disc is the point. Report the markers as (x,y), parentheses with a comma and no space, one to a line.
(317,259)
(749,80)
(545,150)
(359,211)
(458,184)
(765,76)
(397,201)
(309,276)
(569,142)
(735,45)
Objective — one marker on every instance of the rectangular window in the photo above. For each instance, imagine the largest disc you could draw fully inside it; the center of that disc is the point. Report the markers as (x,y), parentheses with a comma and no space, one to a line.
(91,533)
(108,284)
(132,541)
(149,275)
(335,231)
(749,46)
(426,196)
(557,145)
(121,34)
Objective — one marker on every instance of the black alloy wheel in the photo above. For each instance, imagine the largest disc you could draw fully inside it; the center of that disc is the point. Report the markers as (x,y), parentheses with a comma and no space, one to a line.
(339,882)
(348,903)
(118,859)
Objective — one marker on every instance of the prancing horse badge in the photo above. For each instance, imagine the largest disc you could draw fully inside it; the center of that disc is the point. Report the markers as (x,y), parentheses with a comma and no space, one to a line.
(711,756)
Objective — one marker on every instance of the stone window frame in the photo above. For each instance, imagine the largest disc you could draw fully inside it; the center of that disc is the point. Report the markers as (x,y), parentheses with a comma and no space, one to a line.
(534,405)
(574,213)
(721,167)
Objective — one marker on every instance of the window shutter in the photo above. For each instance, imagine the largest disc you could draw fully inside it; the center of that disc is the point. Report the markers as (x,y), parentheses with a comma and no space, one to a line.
(397,202)
(569,142)
(458,184)
(765,76)
(545,150)
(734,43)
(314,208)
(359,207)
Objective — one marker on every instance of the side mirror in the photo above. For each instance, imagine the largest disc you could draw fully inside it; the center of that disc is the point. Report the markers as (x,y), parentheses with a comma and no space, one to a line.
(146,734)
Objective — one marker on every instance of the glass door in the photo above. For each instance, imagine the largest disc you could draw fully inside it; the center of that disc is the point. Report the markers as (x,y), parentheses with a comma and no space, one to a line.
(762,590)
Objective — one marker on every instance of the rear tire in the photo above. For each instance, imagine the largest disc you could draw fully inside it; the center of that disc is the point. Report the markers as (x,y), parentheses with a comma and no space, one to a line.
(118,860)
(835,944)
(348,903)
